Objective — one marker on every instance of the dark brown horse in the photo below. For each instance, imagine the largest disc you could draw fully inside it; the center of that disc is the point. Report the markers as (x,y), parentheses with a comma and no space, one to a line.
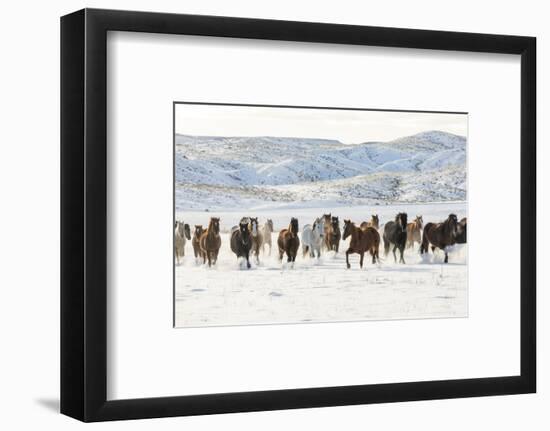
(362,241)
(414,232)
(257,237)
(395,232)
(334,235)
(211,241)
(241,242)
(288,241)
(440,235)
(461,231)
(374,222)
(196,240)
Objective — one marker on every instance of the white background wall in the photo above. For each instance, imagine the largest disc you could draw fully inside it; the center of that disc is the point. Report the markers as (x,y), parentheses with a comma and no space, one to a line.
(29,215)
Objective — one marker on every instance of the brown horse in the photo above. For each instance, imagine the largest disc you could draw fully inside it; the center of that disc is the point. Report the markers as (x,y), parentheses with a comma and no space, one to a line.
(440,235)
(257,237)
(334,235)
(196,240)
(210,242)
(362,241)
(374,222)
(288,241)
(414,232)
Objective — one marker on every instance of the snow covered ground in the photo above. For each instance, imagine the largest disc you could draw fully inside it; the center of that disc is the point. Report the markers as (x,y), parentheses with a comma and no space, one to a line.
(319,290)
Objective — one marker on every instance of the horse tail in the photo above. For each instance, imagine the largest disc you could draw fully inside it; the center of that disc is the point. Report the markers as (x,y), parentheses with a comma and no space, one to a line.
(386,245)
(425,245)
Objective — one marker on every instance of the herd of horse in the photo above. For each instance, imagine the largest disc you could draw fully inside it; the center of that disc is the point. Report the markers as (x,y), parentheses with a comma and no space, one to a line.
(248,238)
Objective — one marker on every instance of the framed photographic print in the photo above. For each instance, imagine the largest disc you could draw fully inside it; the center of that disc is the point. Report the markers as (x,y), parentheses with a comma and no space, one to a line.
(262,215)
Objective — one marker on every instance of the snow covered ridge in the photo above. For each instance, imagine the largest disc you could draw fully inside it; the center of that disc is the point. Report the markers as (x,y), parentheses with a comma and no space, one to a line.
(426,167)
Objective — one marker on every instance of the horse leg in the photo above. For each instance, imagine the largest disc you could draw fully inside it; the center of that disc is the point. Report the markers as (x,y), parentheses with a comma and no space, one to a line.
(304,250)
(209,259)
(348,251)
(281,252)
(402,250)
(446,255)
(394,255)
(386,247)
(247,256)
(362,254)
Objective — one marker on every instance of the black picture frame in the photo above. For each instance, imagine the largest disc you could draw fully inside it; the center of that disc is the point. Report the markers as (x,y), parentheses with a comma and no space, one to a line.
(84,214)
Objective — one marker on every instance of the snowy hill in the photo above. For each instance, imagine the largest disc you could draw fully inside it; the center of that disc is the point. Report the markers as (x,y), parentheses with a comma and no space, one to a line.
(219,172)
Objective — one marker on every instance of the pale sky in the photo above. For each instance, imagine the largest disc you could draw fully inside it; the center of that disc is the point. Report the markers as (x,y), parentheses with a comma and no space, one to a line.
(348,127)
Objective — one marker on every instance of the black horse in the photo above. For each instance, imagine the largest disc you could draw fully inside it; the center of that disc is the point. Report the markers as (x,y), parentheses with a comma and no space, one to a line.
(395,232)
(241,241)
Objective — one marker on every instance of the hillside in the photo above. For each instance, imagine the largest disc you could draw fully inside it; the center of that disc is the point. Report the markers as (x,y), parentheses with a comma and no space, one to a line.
(225,172)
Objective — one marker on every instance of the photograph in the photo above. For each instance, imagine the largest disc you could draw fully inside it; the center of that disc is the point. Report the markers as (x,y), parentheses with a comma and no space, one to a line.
(296,215)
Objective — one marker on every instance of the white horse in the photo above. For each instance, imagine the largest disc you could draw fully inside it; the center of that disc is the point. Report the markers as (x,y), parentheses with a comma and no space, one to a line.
(181,232)
(313,237)
(266,231)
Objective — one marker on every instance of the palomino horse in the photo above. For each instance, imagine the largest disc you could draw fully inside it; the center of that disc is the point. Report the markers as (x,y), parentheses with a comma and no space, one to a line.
(266,230)
(181,233)
(241,242)
(440,235)
(374,222)
(211,242)
(362,241)
(461,231)
(288,241)
(414,232)
(312,237)
(334,235)
(395,232)
(257,238)
(196,240)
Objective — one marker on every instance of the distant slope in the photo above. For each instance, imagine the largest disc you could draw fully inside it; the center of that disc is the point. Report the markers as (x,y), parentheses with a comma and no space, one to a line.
(426,167)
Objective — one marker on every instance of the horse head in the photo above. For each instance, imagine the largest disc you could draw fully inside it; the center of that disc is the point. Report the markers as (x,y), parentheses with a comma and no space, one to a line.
(198,230)
(254,226)
(419,222)
(180,228)
(375,221)
(335,223)
(347,229)
(214,225)
(401,220)
(245,231)
(452,223)
(319,226)
(293,227)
